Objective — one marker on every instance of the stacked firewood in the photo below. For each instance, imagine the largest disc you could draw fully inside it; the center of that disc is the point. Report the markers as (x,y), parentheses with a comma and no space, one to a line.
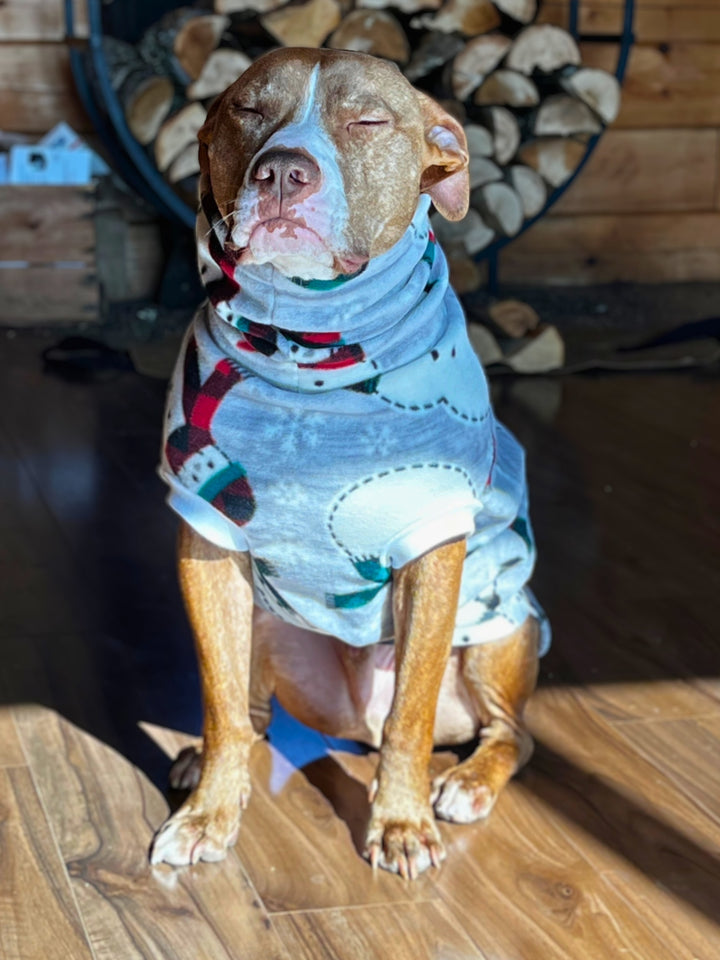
(527,103)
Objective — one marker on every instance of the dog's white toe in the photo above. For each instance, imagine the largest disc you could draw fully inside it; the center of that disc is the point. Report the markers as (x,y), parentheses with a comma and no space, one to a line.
(188,837)
(461,801)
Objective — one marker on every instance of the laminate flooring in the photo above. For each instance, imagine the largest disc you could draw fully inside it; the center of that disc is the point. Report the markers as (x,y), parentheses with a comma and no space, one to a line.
(607,845)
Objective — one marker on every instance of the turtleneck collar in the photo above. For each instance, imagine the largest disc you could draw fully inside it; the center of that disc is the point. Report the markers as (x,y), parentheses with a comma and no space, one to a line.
(320,335)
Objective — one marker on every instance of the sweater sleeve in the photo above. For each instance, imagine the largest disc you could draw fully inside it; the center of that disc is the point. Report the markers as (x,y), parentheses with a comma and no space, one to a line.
(204,518)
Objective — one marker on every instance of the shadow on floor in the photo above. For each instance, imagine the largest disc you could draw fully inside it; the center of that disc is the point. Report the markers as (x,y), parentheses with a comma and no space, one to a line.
(626,497)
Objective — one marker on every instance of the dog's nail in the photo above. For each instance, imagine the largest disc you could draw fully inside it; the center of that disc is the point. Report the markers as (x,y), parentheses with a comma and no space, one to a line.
(374,856)
(403,867)
(412,867)
(372,792)
(435,858)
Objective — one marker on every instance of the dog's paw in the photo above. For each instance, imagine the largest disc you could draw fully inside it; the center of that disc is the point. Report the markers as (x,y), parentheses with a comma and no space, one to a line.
(405,846)
(185,771)
(461,798)
(194,834)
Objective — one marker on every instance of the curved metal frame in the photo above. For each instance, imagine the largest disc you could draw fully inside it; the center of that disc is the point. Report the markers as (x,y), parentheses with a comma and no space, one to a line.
(132,161)
(626,38)
(136,168)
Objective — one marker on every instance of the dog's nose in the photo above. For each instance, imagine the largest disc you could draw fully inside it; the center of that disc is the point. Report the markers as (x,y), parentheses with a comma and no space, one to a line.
(286,173)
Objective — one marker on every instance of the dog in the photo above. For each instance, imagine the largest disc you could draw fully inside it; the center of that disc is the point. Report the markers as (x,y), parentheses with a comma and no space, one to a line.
(354,535)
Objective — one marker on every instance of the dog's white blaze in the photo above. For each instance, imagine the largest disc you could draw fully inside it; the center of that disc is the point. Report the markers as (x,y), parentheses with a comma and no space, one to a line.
(325,211)
(307,107)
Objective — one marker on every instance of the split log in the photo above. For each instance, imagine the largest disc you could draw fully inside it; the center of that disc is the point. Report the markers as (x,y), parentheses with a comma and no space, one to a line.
(145,96)
(197,40)
(469,17)
(530,187)
(186,164)
(180,42)
(306,25)
(372,31)
(482,170)
(177,133)
(542,47)
(543,350)
(434,50)
(521,10)
(479,140)
(564,116)
(554,158)
(146,102)
(404,6)
(471,234)
(240,6)
(500,208)
(484,343)
(465,274)
(506,133)
(476,61)
(514,317)
(507,88)
(598,89)
(221,68)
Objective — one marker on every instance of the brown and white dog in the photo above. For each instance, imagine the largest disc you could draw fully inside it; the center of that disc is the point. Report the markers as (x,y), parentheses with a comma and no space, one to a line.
(316,160)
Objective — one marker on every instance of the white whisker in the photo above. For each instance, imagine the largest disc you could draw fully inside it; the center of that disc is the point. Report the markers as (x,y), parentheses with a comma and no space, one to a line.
(224,220)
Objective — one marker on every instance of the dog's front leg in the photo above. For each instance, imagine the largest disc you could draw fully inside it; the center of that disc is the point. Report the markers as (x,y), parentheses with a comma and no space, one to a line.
(402,834)
(217,588)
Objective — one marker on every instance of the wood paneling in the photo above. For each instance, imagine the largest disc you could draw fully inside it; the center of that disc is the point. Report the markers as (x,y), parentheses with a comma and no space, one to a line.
(38,915)
(47,255)
(688,753)
(653,843)
(43,224)
(646,170)
(607,845)
(674,85)
(422,931)
(663,22)
(39,19)
(639,248)
(11,754)
(34,295)
(540,896)
(37,90)
(103,812)
(291,821)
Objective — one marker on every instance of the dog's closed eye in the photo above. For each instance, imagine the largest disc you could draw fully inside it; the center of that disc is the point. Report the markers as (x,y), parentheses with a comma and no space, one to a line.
(244,111)
(369,122)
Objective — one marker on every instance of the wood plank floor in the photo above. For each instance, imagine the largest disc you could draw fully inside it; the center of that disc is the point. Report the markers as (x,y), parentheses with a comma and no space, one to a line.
(607,845)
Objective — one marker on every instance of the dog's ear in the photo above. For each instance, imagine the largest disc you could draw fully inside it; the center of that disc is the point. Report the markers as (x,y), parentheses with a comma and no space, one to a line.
(445,176)
(206,134)
(207,130)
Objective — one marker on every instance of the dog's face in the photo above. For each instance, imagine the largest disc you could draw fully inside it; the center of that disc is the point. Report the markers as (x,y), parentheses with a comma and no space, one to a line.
(316,160)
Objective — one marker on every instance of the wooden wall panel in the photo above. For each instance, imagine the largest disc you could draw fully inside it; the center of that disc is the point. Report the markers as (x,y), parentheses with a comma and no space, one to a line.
(46,294)
(662,157)
(645,207)
(32,20)
(646,170)
(47,255)
(37,90)
(662,22)
(675,85)
(46,223)
(641,248)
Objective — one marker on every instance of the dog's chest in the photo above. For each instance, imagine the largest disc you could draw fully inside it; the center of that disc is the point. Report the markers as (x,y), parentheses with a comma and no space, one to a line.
(336,481)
